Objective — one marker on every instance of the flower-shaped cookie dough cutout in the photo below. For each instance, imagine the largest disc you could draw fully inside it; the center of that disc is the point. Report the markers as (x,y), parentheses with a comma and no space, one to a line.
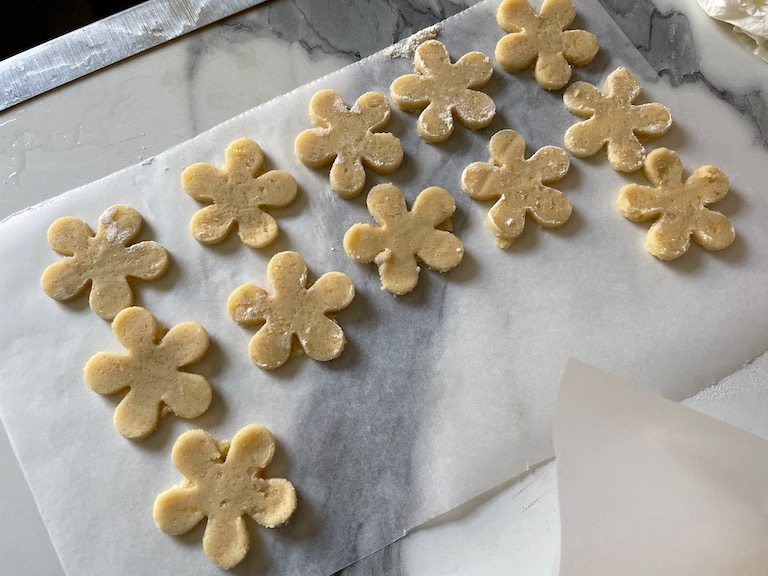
(542,41)
(405,237)
(150,374)
(293,310)
(224,483)
(349,140)
(613,120)
(444,90)
(518,185)
(679,207)
(237,195)
(105,262)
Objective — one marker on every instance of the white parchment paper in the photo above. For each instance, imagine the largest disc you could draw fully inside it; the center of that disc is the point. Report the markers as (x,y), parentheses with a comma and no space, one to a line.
(648,486)
(440,394)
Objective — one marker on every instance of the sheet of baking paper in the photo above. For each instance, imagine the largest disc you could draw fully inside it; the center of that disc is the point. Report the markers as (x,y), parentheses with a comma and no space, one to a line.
(648,486)
(440,394)
(741,399)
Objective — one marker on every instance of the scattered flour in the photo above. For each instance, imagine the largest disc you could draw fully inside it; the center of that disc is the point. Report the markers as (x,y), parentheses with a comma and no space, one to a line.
(406,48)
(114,232)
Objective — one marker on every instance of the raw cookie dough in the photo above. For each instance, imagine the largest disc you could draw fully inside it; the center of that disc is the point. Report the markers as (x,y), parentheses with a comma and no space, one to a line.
(294,309)
(444,90)
(150,373)
(237,194)
(405,237)
(678,207)
(104,262)
(518,185)
(224,483)
(613,120)
(349,139)
(543,41)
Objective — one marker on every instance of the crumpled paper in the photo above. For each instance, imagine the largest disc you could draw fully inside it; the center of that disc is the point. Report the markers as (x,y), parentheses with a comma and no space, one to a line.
(649,486)
(749,19)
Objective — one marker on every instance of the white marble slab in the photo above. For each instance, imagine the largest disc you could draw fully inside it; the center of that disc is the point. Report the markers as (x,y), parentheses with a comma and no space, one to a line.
(129,112)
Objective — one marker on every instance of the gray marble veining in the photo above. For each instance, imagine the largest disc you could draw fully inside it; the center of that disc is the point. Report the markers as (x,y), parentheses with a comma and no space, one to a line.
(363,29)
(665,40)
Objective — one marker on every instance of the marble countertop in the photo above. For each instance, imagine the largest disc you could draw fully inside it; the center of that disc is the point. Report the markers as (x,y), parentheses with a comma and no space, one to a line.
(130,111)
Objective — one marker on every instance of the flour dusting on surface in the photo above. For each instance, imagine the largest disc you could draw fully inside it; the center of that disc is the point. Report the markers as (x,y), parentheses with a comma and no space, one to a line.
(113,231)
(406,48)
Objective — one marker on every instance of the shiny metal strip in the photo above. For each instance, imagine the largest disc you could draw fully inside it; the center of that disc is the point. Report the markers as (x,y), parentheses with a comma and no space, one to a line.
(105,42)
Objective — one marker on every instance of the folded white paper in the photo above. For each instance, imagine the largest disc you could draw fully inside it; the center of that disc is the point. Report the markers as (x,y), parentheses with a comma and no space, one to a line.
(749,19)
(650,487)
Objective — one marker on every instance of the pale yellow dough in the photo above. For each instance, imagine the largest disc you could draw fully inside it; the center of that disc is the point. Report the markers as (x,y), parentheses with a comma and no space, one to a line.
(237,195)
(442,90)
(679,207)
(543,41)
(105,262)
(518,185)
(224,483)
(293,310)
(613,121)
(151,374)
(405,237)
(349,140)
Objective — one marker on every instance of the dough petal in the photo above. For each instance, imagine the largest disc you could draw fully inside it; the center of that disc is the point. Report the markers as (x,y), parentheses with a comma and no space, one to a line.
(507,220)
(69,235)
(226,540)
(579,47)
(110,295)
(187,395)
(399,273)
(63,280)
(175,511)
(333,291)
(476,110)
(210,225)
(441,251)
(252,446)
(315,148)
(107,373)
(516,51)
(347,176)
(363,242)
(137,415)
(279,189)
(513,15)
(185,343)
(256,228)
(551,208)
(270,347)
(200,180)
(668,238)
(715,231)
(435,123)
(435,205)
(322,339)
(277,505)
(194,453)
(248,305)
(552,71)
